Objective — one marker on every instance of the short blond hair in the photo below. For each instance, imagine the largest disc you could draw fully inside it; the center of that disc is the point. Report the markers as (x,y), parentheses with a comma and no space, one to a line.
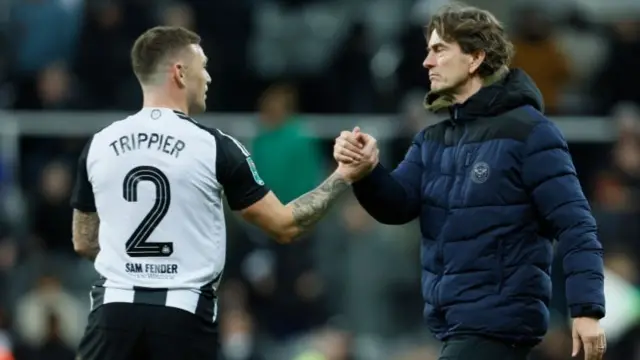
(155,44)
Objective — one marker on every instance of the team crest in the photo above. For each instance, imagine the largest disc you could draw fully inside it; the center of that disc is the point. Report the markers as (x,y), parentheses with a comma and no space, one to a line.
(480,172)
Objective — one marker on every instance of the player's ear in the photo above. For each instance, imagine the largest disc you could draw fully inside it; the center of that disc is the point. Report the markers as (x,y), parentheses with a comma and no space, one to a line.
(180,75)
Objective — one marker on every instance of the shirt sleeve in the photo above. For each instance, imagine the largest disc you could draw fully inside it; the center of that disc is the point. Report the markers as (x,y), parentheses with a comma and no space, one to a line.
(82,195)
(237,173)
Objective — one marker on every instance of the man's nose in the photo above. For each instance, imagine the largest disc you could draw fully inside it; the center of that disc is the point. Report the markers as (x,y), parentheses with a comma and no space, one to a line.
(429,62)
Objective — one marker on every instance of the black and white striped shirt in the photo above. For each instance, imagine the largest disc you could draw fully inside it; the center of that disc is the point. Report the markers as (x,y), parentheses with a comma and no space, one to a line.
(156,180)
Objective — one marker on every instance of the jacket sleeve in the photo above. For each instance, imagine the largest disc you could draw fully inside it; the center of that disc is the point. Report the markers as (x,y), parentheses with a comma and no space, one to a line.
(393,197)
(550,176)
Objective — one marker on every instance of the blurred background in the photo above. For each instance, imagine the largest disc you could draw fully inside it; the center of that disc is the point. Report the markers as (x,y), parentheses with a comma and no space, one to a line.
(288,75)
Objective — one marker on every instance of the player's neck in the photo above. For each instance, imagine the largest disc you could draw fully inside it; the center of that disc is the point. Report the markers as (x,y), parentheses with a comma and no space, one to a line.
(154,100)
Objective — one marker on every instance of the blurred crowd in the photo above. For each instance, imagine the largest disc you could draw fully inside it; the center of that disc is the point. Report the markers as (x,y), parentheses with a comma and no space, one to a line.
(350,290)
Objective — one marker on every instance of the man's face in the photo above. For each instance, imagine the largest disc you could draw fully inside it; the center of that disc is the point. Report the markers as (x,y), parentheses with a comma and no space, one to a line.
(197,80)
(448,66)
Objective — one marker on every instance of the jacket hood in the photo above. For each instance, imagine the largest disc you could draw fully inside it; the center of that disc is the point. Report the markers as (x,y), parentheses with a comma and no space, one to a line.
(503,91)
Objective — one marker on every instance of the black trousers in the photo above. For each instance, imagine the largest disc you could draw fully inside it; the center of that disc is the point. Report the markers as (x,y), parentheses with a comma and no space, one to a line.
(121,331)
(481,348)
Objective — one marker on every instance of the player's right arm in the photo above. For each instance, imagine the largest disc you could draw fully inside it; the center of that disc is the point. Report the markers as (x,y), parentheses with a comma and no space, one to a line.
(86,223)
(248,194)
(286,222)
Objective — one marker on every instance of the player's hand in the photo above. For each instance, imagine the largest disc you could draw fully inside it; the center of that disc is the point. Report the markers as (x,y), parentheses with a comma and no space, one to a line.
(348,147)
(356,170)
(588,335)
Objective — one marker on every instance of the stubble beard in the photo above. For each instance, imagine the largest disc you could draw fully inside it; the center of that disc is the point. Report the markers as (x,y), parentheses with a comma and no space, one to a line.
(453,89)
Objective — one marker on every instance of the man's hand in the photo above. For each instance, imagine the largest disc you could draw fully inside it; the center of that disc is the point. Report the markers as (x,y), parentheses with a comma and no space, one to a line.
(356,154)
(348,147)
(588,335)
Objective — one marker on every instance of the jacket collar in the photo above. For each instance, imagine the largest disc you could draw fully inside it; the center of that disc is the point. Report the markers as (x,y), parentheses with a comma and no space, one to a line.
(503,91)
(435,102)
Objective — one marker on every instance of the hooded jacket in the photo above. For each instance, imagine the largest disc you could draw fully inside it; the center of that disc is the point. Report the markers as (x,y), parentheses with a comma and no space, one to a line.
(492,187)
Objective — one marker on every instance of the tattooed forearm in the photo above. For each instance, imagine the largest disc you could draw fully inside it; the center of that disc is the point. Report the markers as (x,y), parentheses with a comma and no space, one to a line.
(85,234)
(309,208)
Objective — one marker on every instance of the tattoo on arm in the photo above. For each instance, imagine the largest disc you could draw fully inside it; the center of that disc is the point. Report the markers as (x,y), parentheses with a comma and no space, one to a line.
(85,234)
(309,208)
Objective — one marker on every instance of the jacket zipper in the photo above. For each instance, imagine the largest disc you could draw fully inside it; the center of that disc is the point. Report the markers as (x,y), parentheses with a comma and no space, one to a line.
(439,246)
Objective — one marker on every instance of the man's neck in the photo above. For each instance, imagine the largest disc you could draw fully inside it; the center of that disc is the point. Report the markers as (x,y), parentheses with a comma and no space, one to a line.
(152,99)
(468,90)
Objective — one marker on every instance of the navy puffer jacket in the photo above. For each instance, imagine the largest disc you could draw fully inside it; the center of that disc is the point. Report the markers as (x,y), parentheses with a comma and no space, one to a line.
(492,187)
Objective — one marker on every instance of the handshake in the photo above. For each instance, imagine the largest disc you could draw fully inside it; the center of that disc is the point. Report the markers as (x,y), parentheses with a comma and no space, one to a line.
(356,153)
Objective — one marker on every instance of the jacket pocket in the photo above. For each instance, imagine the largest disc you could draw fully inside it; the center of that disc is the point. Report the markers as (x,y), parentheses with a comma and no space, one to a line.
(499,266)
(469,158)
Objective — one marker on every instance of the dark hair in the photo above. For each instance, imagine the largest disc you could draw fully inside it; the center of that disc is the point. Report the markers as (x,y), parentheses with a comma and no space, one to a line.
(155,44)
(474,29)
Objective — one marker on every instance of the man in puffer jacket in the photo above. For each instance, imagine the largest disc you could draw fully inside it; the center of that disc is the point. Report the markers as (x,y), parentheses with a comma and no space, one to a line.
(492,187)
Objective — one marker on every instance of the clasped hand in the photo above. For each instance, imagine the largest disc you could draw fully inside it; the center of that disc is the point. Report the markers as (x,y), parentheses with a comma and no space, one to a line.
(356,153)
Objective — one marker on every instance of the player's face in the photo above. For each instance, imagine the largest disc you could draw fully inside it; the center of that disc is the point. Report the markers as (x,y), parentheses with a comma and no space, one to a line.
(198,81)
(449,68)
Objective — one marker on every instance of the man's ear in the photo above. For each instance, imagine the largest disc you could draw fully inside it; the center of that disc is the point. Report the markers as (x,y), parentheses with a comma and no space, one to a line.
(477,57)
(180,74)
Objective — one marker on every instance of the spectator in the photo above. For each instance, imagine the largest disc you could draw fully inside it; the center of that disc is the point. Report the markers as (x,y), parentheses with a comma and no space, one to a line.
(51,227)
(55,88)
(617,190)
(616,80)
(585,47)
(280,271)
(54,347)
(538,54)
(352,78)
(34,323)
(51,213)
(282,141)
(180,14)
(102,61)
(44,33)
